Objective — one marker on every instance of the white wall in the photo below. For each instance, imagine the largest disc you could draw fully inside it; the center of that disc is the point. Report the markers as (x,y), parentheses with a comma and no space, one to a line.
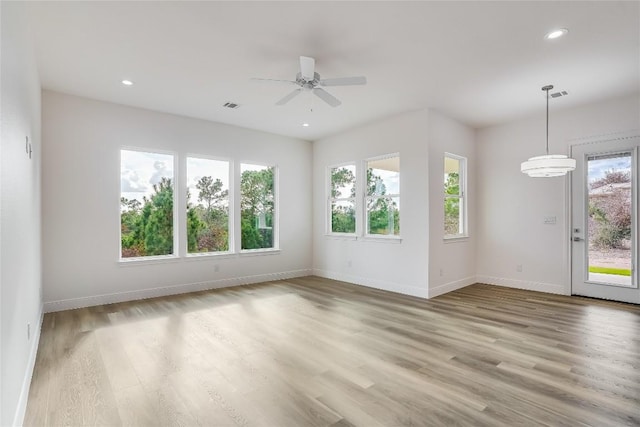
(511,206)
(20,272)
(81,192)
(400,267)
(452,263)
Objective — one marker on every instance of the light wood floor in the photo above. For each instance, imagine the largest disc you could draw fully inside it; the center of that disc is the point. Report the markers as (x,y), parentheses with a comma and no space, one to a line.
(315,352)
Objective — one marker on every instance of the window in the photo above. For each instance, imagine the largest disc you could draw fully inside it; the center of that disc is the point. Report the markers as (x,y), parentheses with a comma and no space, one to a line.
(455,196)
(146,204)
(207,205)
(257,206)
(383,196)
(342,200)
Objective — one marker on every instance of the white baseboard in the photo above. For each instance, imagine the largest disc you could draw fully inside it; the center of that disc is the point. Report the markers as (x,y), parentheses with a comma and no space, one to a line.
(68,304)
(451,286)
(18,419)
(373,283)
(523,284)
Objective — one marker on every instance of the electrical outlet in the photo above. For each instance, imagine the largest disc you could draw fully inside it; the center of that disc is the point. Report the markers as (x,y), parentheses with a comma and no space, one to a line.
(441,272)
(216,268)
(519,268)
(349,263)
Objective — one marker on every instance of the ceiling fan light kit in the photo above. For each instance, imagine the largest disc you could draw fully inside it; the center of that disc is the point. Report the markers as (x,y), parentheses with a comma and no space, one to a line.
(308,79)
(548,165)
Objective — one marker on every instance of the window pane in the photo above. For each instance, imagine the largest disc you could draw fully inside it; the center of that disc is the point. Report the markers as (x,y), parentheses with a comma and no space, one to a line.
(610,222)
(454,204)
(146,204)
(257,206)
(383,215)
(452,216)
(343,182)
(383,176)
(207,205)
(451,176)
(343,216)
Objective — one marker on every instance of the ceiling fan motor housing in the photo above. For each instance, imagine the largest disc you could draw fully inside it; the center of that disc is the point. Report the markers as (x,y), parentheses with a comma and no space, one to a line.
(308,84)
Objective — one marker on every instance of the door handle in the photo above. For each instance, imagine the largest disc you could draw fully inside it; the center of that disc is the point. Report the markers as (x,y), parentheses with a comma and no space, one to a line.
(578,239)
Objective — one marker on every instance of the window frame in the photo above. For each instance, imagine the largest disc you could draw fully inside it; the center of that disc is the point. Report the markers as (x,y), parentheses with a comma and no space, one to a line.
(366,198)
(276,209)
(462,197)
(231,206)
(331,200)
(153,259)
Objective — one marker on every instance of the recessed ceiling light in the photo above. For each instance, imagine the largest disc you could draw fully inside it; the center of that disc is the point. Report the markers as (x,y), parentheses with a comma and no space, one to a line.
(305,125)
(127,82)
(556,33)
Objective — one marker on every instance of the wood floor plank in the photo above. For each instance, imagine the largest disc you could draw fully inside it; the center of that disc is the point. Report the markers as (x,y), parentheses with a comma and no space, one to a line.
(318,352)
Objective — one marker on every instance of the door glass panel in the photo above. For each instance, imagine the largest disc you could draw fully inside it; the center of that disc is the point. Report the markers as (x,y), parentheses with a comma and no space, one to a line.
(610,219)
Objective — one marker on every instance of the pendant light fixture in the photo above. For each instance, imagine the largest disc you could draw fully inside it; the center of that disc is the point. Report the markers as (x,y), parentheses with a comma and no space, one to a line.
(548,165)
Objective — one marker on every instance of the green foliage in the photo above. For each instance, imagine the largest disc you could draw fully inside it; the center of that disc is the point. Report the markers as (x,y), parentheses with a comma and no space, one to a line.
(208,223)
(194,227)
(147,229)
(257,208)
(452,204)
(340,178)
(375,184)
(343,218)
(343,214)
(158,230)
(382,212)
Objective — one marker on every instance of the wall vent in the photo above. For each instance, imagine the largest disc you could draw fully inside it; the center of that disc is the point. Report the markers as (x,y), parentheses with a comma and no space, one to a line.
(231,105)
(559,94)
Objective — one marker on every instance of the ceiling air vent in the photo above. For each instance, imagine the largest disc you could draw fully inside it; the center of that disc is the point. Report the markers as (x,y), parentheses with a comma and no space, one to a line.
(559,94)
(231,105)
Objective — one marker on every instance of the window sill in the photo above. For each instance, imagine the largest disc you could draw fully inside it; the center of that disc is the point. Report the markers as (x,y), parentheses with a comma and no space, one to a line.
(259,252)
(456,239)
(162,259)
(382,239)
(209,255)
(338,236)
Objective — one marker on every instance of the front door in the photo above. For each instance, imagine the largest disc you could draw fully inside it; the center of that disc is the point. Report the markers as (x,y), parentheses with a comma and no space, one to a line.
(605,220)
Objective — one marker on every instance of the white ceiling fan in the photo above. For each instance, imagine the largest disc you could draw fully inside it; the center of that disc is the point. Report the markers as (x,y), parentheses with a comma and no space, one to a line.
(308,79)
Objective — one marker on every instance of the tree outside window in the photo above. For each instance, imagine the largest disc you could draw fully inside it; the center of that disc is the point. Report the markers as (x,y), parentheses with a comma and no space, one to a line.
(383,196)
(454,196)
(257,205)
(207,205)
(342,201)
(146,204)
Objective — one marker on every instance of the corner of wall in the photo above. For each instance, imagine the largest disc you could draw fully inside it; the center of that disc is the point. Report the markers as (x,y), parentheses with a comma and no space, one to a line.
(28,375)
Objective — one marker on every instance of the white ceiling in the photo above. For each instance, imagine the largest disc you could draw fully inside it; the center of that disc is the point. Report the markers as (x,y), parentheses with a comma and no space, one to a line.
(480,62)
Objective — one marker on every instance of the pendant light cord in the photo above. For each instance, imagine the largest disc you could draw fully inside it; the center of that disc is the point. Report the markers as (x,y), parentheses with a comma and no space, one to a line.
(547,89)
(547,122)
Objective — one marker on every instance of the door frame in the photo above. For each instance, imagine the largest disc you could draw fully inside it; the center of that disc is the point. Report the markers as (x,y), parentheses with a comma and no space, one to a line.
(609,137)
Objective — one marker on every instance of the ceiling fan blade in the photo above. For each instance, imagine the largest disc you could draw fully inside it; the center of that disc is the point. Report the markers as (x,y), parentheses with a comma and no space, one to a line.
(275,80)
(289,97)
(344,81)
(307,68)
(327,97)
